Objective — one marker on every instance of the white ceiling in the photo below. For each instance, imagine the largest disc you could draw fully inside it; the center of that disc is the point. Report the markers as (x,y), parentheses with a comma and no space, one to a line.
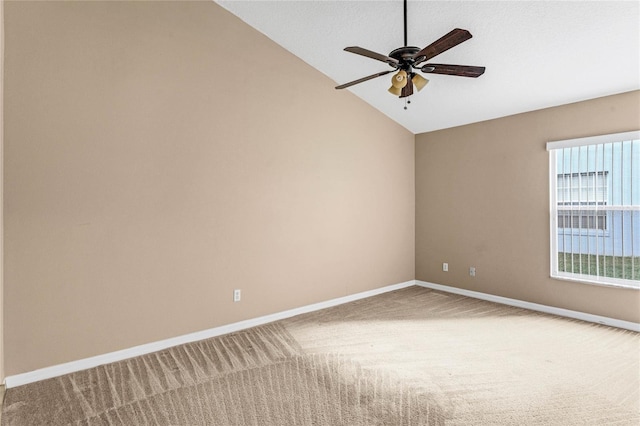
(537,53)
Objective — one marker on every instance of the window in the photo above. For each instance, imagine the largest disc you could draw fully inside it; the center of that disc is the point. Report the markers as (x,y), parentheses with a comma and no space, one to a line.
(595,209)
(582,219)
(582,189)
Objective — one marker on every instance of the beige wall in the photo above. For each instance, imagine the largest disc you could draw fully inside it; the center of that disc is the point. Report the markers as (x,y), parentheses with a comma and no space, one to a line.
(482,199)
(159,155)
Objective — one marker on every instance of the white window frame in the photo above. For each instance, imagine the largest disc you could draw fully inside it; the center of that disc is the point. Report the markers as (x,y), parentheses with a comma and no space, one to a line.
(552,147)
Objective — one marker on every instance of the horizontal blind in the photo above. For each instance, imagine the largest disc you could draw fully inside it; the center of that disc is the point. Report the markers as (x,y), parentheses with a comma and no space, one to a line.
(595,209)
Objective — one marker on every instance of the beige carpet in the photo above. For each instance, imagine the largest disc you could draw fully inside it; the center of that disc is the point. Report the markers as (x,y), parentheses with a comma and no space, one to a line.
(410,357)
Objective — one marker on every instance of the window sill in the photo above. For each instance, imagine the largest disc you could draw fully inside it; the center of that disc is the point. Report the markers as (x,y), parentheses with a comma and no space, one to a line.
(609,282)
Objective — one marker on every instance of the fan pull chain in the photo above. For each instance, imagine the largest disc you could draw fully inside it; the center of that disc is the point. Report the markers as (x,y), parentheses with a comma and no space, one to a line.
(406,102)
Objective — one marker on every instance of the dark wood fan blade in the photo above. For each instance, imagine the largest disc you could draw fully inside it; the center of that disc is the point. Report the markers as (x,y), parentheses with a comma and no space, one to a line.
(373,55)
(360,80)
(408,89)
(444,43)
(461,70)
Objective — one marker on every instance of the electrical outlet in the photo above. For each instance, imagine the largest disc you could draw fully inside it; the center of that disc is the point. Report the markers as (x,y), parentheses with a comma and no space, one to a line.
(445,267)
(472,271)
(236,295)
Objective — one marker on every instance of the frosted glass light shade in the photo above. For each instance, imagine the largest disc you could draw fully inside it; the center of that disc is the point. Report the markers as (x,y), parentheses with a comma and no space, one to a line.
(395,90)
(399,80)
(419,81)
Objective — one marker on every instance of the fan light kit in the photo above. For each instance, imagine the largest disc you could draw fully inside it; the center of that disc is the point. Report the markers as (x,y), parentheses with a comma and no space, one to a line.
(405,59)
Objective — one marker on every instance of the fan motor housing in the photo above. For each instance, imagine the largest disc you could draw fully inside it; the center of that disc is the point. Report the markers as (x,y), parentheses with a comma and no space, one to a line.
(405,55)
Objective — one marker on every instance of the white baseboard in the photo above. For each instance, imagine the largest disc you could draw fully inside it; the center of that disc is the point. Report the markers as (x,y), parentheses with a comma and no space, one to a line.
(633,326)
(83,364)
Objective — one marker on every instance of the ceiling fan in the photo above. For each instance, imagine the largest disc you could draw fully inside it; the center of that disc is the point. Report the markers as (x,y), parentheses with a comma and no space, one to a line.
(407,59)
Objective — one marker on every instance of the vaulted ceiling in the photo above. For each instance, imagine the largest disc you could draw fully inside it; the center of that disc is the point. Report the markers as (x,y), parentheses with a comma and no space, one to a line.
(537,54)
